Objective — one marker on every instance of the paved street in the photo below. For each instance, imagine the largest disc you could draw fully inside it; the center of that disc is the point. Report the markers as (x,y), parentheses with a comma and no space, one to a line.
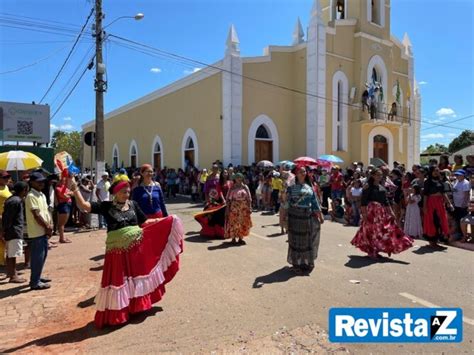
(231,299)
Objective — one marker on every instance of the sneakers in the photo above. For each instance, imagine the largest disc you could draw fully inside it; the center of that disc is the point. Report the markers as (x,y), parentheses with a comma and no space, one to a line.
(45,280)
(41,286)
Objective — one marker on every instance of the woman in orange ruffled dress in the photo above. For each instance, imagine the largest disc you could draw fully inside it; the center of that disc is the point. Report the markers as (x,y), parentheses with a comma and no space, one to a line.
(239,208)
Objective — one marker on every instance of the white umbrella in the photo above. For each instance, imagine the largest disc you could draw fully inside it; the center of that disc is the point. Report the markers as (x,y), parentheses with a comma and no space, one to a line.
(19,160)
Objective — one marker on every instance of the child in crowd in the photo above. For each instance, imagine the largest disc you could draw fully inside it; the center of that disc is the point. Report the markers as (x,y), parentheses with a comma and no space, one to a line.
(259,193)
(337,214)
(356,198)
(413,225)
(194,192)
(468,221)
(267,193)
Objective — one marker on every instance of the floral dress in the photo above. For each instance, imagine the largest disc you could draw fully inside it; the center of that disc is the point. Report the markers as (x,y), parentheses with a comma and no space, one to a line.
(239,207)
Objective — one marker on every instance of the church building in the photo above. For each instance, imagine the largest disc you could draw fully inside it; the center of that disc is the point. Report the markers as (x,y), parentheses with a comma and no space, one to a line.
(345,87)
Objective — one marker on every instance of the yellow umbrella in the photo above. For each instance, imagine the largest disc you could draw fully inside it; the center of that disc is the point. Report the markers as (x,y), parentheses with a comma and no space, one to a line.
(19,160)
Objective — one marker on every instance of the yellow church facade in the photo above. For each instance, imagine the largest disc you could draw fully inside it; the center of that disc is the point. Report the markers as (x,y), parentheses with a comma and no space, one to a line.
(306,99)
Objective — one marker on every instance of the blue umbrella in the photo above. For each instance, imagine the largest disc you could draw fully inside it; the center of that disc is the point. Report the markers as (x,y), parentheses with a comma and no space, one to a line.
(287,164)
(331,158)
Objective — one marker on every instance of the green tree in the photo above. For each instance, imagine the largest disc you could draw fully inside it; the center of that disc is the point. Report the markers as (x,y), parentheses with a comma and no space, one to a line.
(436,148)
(465,139)
(56,136)
(68,142)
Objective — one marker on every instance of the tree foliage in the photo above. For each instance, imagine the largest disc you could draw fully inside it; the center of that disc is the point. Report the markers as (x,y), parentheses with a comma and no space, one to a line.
(465,139)
(68,142)
(436,148)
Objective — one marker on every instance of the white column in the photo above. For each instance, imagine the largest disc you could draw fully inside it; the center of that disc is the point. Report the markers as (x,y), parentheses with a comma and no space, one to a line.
(316,84)
(232,101)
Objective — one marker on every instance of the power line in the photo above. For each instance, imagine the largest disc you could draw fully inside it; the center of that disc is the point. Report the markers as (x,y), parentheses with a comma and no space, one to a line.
(182,59)
(72,90)
(16,16)
(32,64)
(79,66)
(457,120)
(69,54)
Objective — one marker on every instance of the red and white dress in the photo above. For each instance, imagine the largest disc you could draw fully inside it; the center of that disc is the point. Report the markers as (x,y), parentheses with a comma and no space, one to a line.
(379,232)
(138,263)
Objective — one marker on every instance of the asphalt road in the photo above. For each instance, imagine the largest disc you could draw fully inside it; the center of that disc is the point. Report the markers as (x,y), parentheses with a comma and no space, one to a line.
(243,298)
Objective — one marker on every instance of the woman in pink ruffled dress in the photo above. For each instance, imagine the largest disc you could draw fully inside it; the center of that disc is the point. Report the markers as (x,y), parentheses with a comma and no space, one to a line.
(379,232)
(141,256)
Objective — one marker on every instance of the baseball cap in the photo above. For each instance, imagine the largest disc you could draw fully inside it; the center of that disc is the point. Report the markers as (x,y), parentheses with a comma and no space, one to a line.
(105,173)
(4,174)
(460,172)
(38,177)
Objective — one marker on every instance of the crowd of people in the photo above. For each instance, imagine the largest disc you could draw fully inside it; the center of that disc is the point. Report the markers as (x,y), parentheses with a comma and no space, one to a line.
(391,207)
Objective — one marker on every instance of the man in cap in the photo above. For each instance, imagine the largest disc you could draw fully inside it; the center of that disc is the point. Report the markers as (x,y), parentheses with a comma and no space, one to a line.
(102,193)
(461,194)
(40,229)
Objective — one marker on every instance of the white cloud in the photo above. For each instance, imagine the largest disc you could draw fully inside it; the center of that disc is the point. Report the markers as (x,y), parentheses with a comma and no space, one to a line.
(53,127)
(432,136)
(67,118)
(423,83)
(155,70)
(452,135)
(446,111)
(189,71)
(66,127)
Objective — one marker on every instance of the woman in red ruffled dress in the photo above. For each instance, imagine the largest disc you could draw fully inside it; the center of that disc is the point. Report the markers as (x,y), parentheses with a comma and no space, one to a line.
(141,255)
(379,232)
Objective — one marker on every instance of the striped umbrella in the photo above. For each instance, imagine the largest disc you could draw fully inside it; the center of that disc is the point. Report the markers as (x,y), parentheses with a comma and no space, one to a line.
(19,160)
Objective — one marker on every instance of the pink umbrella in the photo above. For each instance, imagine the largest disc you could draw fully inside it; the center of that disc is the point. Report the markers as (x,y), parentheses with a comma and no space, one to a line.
(305,161)
(324,163)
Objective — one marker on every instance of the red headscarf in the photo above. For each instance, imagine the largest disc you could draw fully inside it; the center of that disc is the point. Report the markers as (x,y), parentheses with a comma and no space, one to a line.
(145,167)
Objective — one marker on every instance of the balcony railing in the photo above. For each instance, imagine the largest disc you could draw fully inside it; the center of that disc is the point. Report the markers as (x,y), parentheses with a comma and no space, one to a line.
(381,115)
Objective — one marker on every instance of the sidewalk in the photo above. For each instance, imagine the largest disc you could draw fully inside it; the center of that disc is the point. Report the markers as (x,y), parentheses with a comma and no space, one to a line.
(47,315)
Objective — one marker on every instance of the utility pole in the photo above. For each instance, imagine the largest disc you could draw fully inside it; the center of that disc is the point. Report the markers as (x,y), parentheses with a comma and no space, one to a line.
(100,88)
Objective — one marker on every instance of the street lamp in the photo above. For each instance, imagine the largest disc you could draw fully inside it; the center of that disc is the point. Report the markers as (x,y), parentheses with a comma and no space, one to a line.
(139,16)
(100,86)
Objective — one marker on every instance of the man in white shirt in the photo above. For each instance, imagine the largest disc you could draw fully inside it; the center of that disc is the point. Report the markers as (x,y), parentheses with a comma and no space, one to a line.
(102,193)
(461,192)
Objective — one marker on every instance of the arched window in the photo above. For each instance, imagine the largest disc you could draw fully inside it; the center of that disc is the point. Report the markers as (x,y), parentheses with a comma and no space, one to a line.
(115,158)
(157,156)
(376,12)
(380,139)
(133,157)
(262,133)
(190,150)
(340,93)
(338,9)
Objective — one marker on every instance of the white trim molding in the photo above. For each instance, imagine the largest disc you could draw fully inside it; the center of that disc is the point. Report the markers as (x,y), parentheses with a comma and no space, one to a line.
(190,134)
(177,85)
(162,158)
(268,123)
(133,143)
(116,149)
(377,62)
(340,57)
(383,131)
(339,76)
(373,38)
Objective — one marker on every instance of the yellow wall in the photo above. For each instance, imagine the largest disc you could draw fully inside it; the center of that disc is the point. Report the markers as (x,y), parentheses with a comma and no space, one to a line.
(198,106)
(286,108)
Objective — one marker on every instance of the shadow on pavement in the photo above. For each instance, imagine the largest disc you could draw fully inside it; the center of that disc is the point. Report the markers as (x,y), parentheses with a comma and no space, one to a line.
(280,275)
(97,257)
(15,291)
(87,303)
(225,245)
(274,235)
(97,268)
(198,239)
(357,261)
(88,331)
(427,249)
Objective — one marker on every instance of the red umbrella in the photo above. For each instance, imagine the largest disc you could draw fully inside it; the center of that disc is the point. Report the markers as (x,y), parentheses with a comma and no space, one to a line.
(324,163)
(305,161)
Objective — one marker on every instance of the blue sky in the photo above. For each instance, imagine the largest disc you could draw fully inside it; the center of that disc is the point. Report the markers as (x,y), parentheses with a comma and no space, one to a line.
(441,33)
